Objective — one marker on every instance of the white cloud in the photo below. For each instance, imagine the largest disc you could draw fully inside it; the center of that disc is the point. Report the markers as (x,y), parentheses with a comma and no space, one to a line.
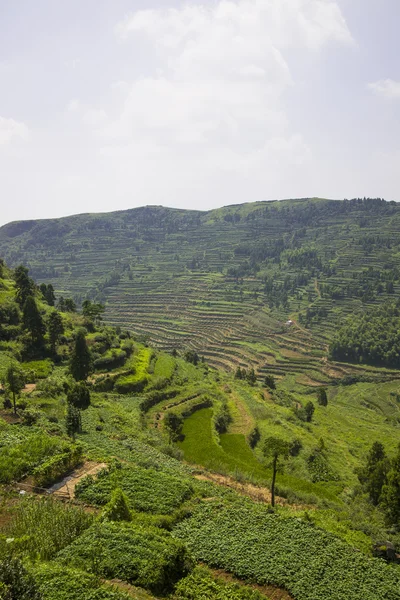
(221,76)
(10,129)
(94,117)
(73,105)
(386,87)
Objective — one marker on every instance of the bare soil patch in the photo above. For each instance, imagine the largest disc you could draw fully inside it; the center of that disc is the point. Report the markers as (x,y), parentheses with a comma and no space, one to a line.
(66,487)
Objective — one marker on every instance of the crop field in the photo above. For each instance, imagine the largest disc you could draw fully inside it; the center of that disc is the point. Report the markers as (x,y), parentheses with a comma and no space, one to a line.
(288,552)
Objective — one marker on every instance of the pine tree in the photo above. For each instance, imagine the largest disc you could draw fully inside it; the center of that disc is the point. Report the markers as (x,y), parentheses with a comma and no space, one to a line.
(391,492)
(78,395)
(373,476)
(81,359)
(56,329)
(73,420)
(24,284)
(33,321)
(322,397)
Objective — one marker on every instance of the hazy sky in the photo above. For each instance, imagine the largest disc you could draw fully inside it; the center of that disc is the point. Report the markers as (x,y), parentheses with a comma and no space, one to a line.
(111,104)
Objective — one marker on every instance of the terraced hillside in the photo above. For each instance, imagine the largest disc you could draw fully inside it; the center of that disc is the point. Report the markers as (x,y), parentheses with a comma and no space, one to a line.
(226,282)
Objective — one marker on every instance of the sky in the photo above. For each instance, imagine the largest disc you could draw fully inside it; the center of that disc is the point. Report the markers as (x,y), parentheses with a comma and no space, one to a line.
(111,104)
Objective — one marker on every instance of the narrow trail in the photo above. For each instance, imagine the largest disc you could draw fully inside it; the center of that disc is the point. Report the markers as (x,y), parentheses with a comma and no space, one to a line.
(66,487)
(270,591)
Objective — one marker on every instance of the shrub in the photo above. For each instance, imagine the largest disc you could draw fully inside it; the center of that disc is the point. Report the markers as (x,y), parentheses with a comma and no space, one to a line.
(16,583)
(146,557)
(57,466)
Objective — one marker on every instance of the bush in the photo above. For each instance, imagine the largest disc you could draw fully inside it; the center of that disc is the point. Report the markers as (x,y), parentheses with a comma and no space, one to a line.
(16,583)
(57,466)
(146,557)
(147,490)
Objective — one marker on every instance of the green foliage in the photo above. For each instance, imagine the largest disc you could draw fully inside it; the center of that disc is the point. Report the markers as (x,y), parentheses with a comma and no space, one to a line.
(371,337)
(24,284)
(277,450)
(373,475)
(16,583)
(117,508)
(254,437)
(201,584)
(173,424)
(143,556)
(288,552)
(309,411)
(269,382)
(57,466)
(32,320)
(222,418)
(322,397)
(21,458)
(81,360)
(147,490)
(57,582)
(191,356)
(73,420)
(41,527)
(78,395)
(55,328)
(391,491)
(48,293)
(14,381)
(138,380)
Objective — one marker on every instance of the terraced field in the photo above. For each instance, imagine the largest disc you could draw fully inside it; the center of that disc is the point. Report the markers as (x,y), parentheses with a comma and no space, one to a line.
(226,282)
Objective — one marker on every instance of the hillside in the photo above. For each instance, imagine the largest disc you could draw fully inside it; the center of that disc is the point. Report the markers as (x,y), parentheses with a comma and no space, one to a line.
(130,472)
(226,282)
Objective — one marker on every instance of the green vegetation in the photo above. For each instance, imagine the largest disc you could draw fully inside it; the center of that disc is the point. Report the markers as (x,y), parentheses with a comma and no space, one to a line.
(168,492)
(311,564)
(266,313)
(145,557)
(201,584)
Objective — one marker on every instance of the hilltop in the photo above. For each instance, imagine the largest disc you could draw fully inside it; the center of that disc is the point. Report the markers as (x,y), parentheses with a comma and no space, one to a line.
(264,285)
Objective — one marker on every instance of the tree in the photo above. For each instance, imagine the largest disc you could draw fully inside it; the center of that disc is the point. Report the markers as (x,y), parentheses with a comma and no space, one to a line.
(15,382)
(309,410)
(93,310)
(269,382)
(278,450)
(48,293)
(81,362)
(24,284)
(391,492)
(56,329)
(78,395)
(251,377)
(191,356)
(117,509)
(73,420)
(33,321)
(373,476)
(173,424)
(322,397)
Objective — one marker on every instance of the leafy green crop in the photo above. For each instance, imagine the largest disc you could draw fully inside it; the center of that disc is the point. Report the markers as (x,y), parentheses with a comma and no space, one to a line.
(201,584)
(142,556)
(147,490)
(311,564)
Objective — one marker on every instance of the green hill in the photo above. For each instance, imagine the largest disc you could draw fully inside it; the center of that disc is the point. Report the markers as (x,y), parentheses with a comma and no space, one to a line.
(226,282)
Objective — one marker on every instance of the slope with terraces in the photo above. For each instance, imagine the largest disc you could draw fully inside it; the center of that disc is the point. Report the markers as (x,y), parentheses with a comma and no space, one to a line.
(191,279)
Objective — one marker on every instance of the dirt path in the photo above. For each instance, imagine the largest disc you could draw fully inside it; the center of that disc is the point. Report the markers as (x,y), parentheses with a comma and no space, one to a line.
(270,591)
(67,486)
(258,494)
(243,422)
(131,590)
(316,287)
